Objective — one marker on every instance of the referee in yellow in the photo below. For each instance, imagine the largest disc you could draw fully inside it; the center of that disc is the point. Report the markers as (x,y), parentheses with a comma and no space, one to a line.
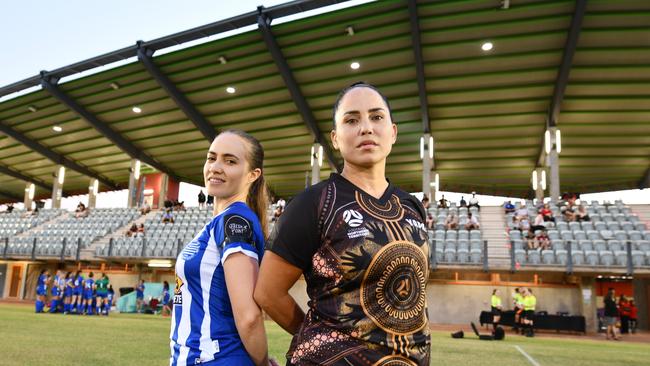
(496,308)
(530,301)
(518,301)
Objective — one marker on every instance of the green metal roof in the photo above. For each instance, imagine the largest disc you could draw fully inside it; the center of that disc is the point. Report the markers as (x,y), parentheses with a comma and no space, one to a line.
(487,110)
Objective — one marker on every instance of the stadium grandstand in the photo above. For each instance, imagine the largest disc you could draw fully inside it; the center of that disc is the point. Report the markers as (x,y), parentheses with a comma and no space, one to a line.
(539,100)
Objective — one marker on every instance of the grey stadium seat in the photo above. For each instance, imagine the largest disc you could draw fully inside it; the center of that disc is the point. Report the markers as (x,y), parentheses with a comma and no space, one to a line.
(548,257)
(638,258)
(606,257)
(463,255)
(534,257)
(561,256)
(620,258)
(578,257)
(591,257)
(475,255)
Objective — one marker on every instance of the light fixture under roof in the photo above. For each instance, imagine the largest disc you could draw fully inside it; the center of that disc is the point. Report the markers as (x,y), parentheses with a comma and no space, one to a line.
(349,30)
(231,90)
(136,109)
(57,128)
(355,65)
(487,46)
(32,108)
(223,60)
(114,85)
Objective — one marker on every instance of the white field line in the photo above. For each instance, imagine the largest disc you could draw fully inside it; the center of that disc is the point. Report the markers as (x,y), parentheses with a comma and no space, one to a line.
(530,359)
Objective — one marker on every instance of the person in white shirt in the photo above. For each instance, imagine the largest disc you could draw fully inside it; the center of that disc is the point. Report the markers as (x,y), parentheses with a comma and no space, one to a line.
(472,222)
(473,202)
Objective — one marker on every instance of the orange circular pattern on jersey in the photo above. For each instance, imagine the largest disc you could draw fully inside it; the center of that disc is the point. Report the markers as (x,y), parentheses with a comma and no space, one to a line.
(393,289)
(394,361)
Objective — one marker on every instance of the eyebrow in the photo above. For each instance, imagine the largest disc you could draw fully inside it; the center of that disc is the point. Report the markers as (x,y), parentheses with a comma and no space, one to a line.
(227,155)
(369,110)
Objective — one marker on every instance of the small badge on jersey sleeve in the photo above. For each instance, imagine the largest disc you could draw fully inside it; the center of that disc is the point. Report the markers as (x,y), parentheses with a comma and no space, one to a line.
(237,229)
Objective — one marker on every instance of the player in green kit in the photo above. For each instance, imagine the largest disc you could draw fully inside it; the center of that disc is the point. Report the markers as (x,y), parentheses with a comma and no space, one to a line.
(101,290)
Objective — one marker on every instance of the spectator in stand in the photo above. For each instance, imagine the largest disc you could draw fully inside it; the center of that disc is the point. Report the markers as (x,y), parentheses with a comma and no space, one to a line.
(610,315)
(472,222)
(431,221)
(10,207)
(277,213)
(141,229)
(179,206)
(542,239)
(509,207)
(425,202)
(515,224)
(463,203)
(569,216)
(624,311)
(633,317)
(210,200)
(168,215)
(442,203)
(531,243)
(582,214)
(547,213)
(539,223)
(524,224)
(133,231)
(81,211)
(473,202)
(145,209)
(201,199)
(522,212)
(281,202)
(451,222)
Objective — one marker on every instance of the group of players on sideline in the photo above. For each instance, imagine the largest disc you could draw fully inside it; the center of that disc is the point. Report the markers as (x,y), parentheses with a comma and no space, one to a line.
(71,293)
(524,303)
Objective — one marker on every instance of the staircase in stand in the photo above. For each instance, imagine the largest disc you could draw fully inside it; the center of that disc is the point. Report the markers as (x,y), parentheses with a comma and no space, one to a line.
(493,228)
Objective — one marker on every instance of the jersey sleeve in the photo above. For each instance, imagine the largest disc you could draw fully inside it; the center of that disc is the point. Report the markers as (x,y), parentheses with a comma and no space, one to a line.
(295,236)
(238,236)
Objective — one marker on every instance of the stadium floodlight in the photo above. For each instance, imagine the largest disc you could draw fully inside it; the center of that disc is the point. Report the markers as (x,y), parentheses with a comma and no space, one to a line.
(61,175)
(558,141)
(223,60)
(114,85)
(32,108)
(487,46)
(160,263)
(534,180)
(136,109)
(547,141)
(437,181)
(313,155)
(355,65)
(57,128)
(320,155)
(421,147)
(431,147)
(349,30)
(231,90)
(543,182)
(136,171)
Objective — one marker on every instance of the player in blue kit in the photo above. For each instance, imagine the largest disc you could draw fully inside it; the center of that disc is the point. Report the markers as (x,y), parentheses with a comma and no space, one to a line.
(77,292)
(55,292)
(215,320)
(109,300)
(166,309)
(89,287)
(67,292)
(139,296)
(41,290)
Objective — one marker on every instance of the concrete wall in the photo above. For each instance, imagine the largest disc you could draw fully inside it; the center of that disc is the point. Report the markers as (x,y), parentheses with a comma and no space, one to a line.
(461,304)
(641,298)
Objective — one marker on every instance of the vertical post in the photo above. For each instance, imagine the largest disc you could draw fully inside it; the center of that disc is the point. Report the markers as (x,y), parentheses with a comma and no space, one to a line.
(589,304)
(4,253)
(57,187)
(110,247)
(316,161)
(569,261)
(429,177)
(134,175)
(434,255)
(553,161)
(485,256)
(144,247)
(34,249)
(512,257)
(78,249)
(64,242)
(164,188)
(93,189)
(179,247)
(29,196)
(628,249)
(540,184)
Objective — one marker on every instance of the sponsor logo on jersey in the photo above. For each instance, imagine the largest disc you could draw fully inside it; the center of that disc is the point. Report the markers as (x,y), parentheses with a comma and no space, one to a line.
(416,224)
(191,249)
(237,226)
(178,297)
(353,218)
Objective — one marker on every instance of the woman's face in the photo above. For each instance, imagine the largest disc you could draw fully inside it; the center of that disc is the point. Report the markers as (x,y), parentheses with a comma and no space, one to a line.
(226,171)
(364,132)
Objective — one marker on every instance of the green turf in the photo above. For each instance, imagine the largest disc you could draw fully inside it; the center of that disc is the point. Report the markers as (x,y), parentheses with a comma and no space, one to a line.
(128,339)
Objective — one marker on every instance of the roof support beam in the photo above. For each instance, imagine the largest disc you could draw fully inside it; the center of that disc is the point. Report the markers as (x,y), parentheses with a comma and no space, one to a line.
(18,175)
(419,65)
(10,196)
(264,25)
(146,59)
(563,73)
(50,84)
(56,158)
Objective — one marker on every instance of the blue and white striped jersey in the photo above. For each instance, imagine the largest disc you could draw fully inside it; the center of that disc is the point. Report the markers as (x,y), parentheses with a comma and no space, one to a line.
(203,327)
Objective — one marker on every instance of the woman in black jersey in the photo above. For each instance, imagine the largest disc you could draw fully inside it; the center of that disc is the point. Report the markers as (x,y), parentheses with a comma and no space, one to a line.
(361,244)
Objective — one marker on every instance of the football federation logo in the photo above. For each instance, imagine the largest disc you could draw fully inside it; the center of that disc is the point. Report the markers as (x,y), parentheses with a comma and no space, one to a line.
(353,218)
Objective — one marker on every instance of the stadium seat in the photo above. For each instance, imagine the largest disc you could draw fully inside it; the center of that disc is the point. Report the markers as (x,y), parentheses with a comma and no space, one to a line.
(599,245)
(591,257)
(462,244)
(463,255)
(553,234)
(638,258)
(463,234)
(643,245)
(534,257)
(614,245)
(476,244)
(585,245)
(450,255)
(561,256)
(606,258)
(520,256)
(635,235)
(579,235)
(475,255)
(548,257)
(451,234)
(620,258)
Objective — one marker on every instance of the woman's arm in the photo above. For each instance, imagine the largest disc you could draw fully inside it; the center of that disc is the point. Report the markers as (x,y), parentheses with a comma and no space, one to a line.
(277,276)
(241,274)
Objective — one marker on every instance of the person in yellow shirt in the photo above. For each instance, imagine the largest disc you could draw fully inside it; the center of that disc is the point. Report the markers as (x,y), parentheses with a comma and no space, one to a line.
(530,302)
(496,308)
(518,304)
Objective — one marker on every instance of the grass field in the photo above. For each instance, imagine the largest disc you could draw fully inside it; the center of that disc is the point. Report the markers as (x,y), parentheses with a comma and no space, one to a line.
(129,339)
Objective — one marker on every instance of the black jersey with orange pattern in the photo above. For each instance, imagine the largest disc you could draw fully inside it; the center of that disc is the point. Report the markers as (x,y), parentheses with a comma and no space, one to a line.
(365,262)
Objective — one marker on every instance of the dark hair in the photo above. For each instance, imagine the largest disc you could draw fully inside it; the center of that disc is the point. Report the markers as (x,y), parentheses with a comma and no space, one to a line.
(517,289)
(494,292)
(358,84)
(90,274)
(67,275)
(166,285)
(258,197)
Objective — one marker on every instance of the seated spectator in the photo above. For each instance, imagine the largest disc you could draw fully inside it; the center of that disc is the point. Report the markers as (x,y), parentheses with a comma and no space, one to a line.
(30,213)
(10,207)
(451,222)
(141,229)
(463,203)
(582,214)
(524,224)
(442,203)
(472,222)
(168,204)
(431,221)
(569,215)
(168,215)
(531,243)
(133,231)
(509,207)
(547,213)
(473,202)
(179,206)
(277,213)
(515,223)
(543,242)
(281,202)
(81,211)
(145,209)
(522,213)
(425,202)
(539,223)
